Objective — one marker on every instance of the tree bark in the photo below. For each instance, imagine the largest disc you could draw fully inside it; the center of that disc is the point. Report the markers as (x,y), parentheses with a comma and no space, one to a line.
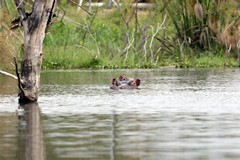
(34,26)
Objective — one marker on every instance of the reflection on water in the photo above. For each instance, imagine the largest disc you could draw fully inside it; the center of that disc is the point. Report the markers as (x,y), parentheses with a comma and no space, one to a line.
(8,135)
(177,114)
(145,136)
(21,135)
(31,134)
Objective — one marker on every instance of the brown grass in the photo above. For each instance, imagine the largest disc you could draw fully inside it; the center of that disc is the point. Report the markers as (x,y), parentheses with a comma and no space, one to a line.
(230,36)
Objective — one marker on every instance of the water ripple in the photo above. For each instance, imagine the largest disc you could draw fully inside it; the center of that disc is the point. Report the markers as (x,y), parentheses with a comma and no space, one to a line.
(177,114)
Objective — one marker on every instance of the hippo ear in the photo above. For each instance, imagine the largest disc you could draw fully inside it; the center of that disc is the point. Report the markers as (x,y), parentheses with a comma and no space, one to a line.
(120,78)
(113,81)
(138,81)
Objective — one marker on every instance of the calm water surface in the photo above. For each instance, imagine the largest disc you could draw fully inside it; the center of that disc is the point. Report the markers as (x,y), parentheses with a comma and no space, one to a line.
(178,114)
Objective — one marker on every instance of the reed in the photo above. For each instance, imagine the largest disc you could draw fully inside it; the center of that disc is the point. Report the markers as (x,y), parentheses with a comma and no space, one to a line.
(205,25)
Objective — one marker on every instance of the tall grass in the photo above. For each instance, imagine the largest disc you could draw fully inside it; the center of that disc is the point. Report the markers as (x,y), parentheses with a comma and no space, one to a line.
(204,26)
(113,38)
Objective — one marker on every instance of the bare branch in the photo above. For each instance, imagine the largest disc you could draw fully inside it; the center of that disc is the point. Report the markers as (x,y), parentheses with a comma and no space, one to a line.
(8,74)
(144,46)
(18,78)
(125,51)
(81,7)
(154,35)
(151,41)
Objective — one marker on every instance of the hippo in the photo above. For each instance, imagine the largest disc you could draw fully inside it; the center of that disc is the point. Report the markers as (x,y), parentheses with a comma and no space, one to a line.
(124,82)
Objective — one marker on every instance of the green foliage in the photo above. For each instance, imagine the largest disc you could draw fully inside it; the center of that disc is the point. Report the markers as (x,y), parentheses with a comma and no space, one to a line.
(207,62)
(171,33)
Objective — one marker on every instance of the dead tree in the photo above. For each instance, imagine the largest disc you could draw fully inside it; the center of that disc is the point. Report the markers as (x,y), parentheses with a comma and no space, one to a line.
(34,26)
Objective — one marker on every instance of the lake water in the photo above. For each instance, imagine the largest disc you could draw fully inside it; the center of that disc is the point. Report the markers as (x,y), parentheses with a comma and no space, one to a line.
(177,114)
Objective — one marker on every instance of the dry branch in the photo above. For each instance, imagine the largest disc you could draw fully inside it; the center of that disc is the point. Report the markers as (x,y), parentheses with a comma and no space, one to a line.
(81,7)
(8,74)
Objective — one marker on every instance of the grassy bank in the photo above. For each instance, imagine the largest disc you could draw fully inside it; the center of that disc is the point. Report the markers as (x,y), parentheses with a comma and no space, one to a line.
(128,38)
(82,60)
(170,34)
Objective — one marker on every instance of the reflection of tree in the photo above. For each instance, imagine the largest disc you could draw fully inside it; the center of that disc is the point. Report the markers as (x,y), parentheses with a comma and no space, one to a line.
(31,135)
(112,148)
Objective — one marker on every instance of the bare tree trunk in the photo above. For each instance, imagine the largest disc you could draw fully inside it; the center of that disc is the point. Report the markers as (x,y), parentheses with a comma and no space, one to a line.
(110,3)
(79,4)
(34,26)
(90,6)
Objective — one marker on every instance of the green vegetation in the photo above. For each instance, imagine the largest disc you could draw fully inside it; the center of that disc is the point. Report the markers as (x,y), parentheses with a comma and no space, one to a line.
(173,33)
